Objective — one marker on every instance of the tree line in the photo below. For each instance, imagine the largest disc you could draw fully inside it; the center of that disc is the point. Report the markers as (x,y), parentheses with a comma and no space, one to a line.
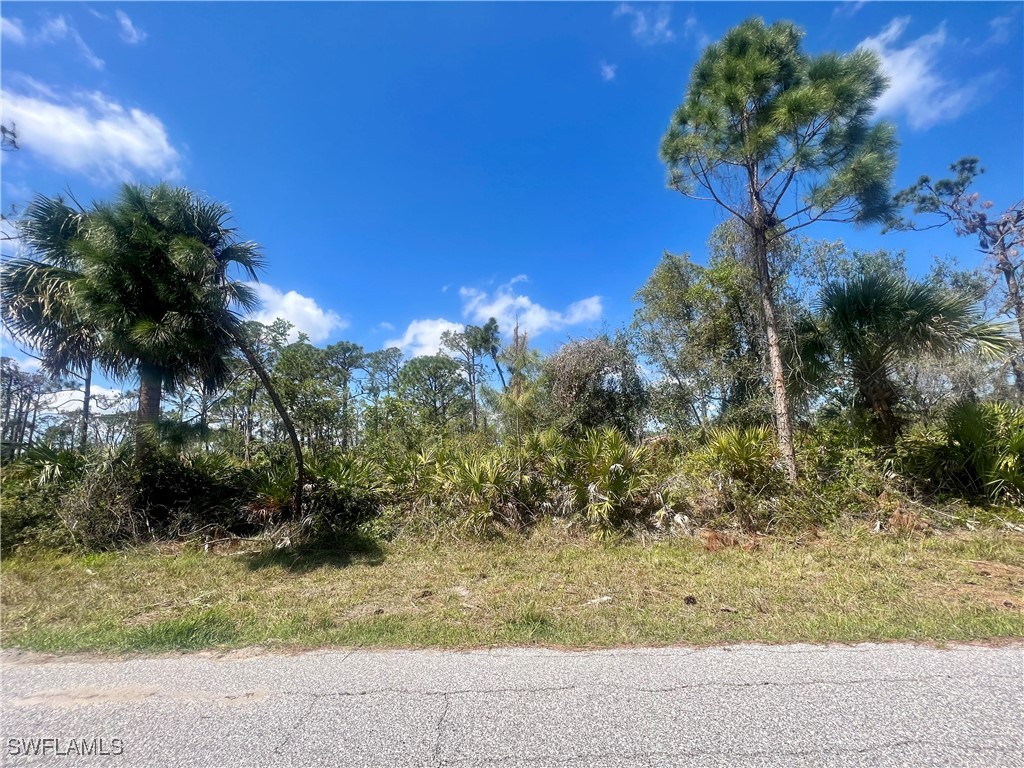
(775,331)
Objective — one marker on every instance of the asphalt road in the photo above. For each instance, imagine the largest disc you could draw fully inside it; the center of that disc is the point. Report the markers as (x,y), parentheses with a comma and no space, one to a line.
(868,705)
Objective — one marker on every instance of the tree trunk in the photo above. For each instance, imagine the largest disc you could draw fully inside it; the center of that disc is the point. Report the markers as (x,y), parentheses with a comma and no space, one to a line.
(86,407)
(780,398)
(472,390)
(1004,265)
(35,416)
(881,397)
(261,372)
(150,392)
(504,386)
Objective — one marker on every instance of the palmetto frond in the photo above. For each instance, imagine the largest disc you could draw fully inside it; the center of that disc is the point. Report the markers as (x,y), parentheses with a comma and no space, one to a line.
(142,279)
(878,319)
(39,309)
(49,228)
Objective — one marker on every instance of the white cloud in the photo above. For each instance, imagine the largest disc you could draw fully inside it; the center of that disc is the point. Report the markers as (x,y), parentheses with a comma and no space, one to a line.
(848,8)
(301,311)
(505,305)
(386,326)
(12,31)
(59,29)
(92,134)
(10,245)
(129,32)
(1002,28)
(916,89)
(650,27)
(693,32)
(423,337)
(104,400)
(608,71)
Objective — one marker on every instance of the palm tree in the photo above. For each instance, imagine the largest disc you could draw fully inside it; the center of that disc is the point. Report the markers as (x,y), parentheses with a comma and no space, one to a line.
(874,321)
(154,278)
(149,276)
(37,302)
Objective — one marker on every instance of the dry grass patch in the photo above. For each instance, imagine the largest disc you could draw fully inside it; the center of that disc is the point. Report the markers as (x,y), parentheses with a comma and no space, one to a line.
(548,588)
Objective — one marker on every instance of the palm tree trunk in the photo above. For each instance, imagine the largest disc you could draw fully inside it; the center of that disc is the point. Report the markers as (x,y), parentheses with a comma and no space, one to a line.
(261,372)
(150,392)
(881,397)
(780,398)
(86,403)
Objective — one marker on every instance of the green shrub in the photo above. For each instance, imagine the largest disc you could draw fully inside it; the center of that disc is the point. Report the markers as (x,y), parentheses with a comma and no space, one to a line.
(30,517)
(608,482)
(178,494)
(733,476)
(977,449)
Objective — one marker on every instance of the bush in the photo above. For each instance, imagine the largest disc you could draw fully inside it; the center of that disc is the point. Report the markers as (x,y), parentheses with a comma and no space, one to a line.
(30,518)
(735,475)
(977,449)
(178,494)
(340,496)
(608,482)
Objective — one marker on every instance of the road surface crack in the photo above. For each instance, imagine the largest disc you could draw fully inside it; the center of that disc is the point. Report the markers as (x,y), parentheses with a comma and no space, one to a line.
(440,725)
(314,698)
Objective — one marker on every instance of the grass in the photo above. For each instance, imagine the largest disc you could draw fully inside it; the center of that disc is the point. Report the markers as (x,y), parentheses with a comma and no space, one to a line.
(549,589)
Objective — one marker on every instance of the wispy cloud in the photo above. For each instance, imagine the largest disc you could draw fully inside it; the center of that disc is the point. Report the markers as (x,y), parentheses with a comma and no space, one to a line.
(509,307)
(1001,29)
(103,400)
(694,33)
(129,32)
(302,312)
(423,337)
(649,26)
(848,8)
(60,29)
(91,134)
(916,88)
(607,71)
(12,30)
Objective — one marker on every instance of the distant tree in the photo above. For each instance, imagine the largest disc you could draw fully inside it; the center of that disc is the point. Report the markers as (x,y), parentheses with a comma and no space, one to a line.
(519,404)
(344,359)
(696,327)
(489,340)
(22,396)
(436,387)
(781,139)
(1000,237)
(596,383)
(309,391)
(468,346)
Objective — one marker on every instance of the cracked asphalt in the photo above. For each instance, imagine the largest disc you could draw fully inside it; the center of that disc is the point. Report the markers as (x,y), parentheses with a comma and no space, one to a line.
(866,705)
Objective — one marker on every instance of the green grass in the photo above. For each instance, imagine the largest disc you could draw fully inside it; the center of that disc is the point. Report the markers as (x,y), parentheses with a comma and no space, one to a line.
(546,589)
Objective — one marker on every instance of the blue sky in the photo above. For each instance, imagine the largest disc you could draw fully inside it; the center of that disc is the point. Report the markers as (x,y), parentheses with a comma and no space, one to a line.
(411,167)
